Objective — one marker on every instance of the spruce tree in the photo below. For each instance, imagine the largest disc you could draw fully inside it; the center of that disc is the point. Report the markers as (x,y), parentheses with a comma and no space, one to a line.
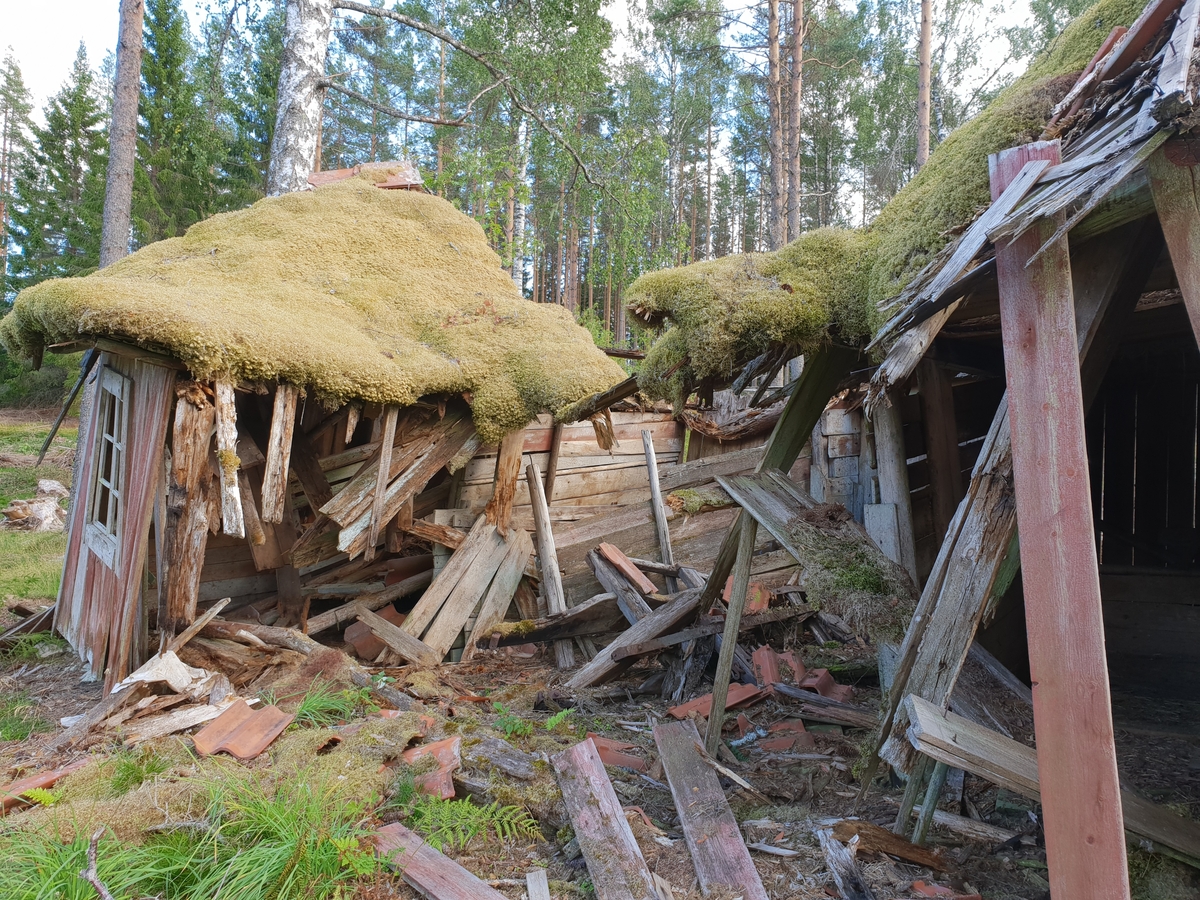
(178,145)
(59,185)
(15,107)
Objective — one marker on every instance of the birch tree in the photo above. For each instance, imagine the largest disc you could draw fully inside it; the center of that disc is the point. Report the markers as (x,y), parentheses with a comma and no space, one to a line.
(300,96)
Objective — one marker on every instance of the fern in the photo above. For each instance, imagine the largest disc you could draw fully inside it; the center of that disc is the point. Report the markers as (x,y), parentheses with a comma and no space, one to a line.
(455,823)
(41,796)
(559,718)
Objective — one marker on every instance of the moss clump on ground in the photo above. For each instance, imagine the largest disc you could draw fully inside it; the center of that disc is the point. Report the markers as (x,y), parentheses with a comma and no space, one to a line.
(830,282)
(691,501)
(348,291)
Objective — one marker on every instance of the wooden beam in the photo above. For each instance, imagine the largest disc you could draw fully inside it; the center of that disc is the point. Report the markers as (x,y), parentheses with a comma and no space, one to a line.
(552,587)
(713,837)
(386,445)
(615,862)
(279,452)
(589,406)
(556,438)
(1085,842)
(227,460)
(892,465)
(504,484)
(941,443)
(1175,183)
(660,512)
(733,621)
(400,641)
(306,464)
(500,592)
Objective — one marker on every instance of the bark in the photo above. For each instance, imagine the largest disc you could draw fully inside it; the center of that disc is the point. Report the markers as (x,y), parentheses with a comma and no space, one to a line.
(518,229)
(796,94)
(924,78)
(778,220)
(122,136)
(302,70)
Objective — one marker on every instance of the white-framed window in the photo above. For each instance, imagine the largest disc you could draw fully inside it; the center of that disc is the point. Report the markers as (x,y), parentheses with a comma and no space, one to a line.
(106,499)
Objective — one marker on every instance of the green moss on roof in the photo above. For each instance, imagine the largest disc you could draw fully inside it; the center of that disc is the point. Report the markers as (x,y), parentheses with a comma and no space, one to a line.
(349,291)
(830,283)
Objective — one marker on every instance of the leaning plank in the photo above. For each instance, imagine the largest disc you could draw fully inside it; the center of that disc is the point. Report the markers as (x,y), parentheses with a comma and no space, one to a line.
(615,582)
(662,621)
(500,592)
(615,863)
(407,646)
(464,557)
(718,852)
(279,453)
(552,587)
(462,602)
(227,459)
(536,884)
(962,744)
(504,485)
(625,566)
(425,870)
(971,829)
(690,634)
(1177,199)
(306,466)
(596,615)
(660,512)
(345,614)
(386,446)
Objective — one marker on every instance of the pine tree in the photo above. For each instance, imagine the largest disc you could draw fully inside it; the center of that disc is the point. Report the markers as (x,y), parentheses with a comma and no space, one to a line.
(253,110)
(178,146)
(15,107)
(59,185)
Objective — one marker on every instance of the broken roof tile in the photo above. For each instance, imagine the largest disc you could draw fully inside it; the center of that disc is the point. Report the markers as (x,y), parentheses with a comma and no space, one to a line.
(241,732)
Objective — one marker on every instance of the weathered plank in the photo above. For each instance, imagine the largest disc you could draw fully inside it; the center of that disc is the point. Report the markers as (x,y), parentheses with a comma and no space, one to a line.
(941,443)
(430,604)
(403,643)
(345,614)
(713,838)
(662,621)
(625,566)
(1175,182)
(232,521)
(1085,845)
(552,588)
(733,620)
(615,863)
(537,886)
(279,452)
(597,615)
(427,871)
(500,592)
(504,485)
(613,581)
(306,466)
(842,867)
(386,446)
(660,512)
(697,631)
(466,595)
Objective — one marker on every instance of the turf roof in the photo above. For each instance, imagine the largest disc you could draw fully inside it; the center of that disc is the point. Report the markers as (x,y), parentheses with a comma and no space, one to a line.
(348,291)
(829,283)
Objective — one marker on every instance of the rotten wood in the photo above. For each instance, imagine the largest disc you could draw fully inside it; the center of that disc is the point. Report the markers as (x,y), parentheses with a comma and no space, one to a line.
(596,403)
(552,589)
(842,867)
(690,634)
(615,862)
(232,520)
(824,709)
(628,570)
(404,644)
(713,837)
(875,839)
(504,482)
(279,453)
(597,615)
(386,446)
(306,465)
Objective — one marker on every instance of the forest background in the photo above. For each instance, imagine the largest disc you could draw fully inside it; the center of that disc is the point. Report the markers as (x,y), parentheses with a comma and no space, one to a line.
(703,128)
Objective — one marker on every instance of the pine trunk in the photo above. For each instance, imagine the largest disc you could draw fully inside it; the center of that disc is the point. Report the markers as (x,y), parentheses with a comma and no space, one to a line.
(778,219)
(298,121)
(796,94)
(122,132)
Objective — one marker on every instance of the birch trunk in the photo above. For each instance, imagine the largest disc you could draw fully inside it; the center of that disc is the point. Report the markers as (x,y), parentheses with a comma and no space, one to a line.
(924,80)
(298,122)
(518,229)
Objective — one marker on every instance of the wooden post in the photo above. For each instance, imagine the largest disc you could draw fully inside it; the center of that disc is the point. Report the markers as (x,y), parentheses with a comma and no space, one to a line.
(387,443)
(660,513)
(556,438)
(733,622)
(1085,841)
(937,781)
(232,521)
(1175,182)
(893,479)
(279,453)
(504,485)
(941,443)
(552,587)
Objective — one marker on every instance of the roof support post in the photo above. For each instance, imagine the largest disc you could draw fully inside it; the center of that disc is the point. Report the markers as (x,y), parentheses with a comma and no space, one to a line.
(1175,183)
(1085,841)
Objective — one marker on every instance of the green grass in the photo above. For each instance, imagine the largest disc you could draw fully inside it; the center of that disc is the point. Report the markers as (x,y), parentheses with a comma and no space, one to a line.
(28,646)
(19,719)
(27,437)
(135,767)
(323,705)
(20,482)
(31,564)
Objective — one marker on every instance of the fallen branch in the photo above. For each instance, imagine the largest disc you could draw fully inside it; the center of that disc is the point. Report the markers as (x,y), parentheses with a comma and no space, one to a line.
(89,874)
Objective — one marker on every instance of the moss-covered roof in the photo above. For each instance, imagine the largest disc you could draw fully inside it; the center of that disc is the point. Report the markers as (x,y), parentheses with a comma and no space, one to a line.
(349,291)
(830,283)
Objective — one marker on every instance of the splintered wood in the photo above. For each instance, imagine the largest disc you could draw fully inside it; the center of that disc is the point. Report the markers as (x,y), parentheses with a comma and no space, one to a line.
(279,453)
(232,521)
(615,862)
(713,837)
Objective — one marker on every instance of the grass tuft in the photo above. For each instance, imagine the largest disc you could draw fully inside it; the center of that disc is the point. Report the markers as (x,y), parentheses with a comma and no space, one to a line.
(133,768)
(324,705)
(19,718)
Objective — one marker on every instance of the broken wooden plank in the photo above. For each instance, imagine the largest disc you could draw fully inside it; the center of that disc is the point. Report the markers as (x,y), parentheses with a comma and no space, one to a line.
(552,588)
(1175,183)
(714,840)
(1085,843)
(430,604)
(504,484)
(892,464)
(279,453)
(971,829)
(386,445)
(402,643)
(596,615)
(614,581)
(427,871)
(345,614)
(662,621)
(625,566)
(876,839)
(306,466)
(697,631)
(227,459)
(660,512)
(824,709)
(500,592)
(615,863)
(962,744)
(464,599)
(733,620)
(842,867)
(556,439)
